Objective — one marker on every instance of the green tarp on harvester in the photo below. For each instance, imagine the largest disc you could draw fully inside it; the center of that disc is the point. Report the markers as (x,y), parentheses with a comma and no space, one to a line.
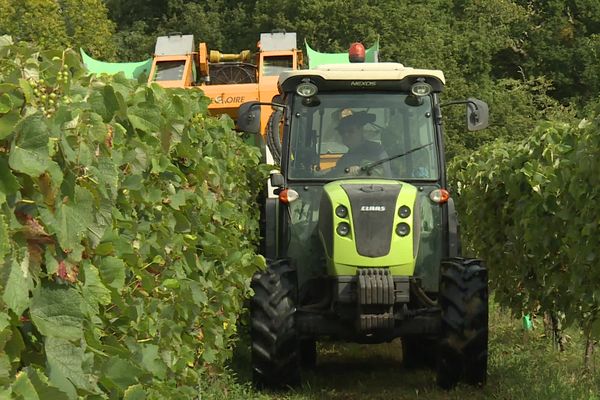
(315,58)
(132,70)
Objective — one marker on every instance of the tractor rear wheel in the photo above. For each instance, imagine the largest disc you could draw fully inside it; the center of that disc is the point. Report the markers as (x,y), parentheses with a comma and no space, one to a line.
(275,344)
(463,347)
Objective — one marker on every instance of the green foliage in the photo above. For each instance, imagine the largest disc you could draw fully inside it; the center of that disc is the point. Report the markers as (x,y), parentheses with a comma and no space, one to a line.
(127,233)
(516,107)
(467,40)
(561,41)
(529,209)
(58,24)
(483,46)
(87,25)
(222,24)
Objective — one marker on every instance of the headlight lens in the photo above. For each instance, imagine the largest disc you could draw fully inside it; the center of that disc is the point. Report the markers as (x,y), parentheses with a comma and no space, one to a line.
(404,212)
(306,89)
(341,211)
(420,89)
(402,229)
(343,229)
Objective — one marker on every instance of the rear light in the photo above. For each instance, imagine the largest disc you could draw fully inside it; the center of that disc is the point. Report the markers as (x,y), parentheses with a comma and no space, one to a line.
(286,196)
(439,196)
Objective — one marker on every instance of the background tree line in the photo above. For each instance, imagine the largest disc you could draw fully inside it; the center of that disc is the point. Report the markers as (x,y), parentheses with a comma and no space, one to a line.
(530,59)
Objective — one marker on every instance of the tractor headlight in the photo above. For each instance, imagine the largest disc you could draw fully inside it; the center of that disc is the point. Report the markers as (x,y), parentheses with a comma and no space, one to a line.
(343,229)
(404,212)
(420,88)
(306,89)
(402,229)
(341,211)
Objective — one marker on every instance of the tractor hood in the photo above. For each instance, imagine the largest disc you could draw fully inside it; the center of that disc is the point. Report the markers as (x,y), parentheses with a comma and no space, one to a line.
(360,225)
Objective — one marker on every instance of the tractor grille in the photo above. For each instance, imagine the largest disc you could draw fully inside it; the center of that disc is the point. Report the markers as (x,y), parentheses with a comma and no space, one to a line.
(373,209)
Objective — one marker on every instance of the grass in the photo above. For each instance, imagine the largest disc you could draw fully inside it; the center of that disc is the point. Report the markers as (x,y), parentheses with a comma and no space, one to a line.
(522,365)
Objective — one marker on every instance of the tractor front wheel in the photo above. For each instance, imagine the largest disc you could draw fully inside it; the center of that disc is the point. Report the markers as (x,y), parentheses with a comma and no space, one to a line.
(275,344)
(463,347)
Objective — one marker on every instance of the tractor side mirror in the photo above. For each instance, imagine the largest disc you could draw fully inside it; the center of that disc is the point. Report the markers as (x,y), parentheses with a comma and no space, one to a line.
(478,114)
(249,117)
(277,179)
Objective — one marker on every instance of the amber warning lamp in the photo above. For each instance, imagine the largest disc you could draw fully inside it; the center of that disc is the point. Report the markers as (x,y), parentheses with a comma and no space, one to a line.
(356,53)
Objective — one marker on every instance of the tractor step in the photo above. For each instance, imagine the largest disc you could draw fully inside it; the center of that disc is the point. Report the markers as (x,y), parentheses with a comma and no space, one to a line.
(369,322)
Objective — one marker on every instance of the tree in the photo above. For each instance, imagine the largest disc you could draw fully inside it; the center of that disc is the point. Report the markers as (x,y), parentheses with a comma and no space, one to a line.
(59,23)
(562,42)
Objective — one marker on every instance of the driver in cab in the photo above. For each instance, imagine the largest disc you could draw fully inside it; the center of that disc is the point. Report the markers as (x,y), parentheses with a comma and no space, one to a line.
(360,150)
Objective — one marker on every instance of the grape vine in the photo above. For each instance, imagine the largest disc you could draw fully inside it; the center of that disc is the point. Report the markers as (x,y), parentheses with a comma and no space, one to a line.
(127,232)
(531,210)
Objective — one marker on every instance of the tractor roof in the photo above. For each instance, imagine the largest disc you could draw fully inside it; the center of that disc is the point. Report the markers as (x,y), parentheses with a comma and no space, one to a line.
(354,74)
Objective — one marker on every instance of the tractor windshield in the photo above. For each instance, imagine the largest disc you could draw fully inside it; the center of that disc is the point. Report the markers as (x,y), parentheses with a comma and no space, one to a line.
(363,134)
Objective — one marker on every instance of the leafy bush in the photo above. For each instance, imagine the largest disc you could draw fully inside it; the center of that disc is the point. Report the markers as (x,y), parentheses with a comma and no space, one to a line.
(530,209)
(127,232)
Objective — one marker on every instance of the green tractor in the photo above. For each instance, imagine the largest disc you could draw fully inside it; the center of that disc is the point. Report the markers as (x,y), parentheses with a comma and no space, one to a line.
(360,234)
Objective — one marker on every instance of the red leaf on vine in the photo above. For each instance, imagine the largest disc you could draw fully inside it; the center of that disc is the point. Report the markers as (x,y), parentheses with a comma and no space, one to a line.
(62,270)
(67,271)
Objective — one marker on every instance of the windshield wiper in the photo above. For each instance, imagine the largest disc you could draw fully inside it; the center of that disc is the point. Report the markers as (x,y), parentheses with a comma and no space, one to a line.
(372,165)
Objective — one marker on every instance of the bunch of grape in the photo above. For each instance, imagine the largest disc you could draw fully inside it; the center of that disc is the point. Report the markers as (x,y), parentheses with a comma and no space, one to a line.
(48,96)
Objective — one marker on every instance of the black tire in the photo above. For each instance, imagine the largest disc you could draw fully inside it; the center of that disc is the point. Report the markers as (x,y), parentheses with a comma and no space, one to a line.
(273,139)
(308,353)
(418,352)
(275,345)
(463,346)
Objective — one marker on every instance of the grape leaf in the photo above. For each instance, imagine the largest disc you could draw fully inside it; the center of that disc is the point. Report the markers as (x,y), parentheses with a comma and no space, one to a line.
(65,361)
(43,387)
(120,373)
(56,311)
(94,292)
(18,285)
(5,103)
(134,392)
(29,152)
(23,387)
(8,122)
(112,271)
(73,219)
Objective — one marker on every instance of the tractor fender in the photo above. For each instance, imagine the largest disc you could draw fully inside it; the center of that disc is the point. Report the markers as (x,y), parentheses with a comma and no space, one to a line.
(454,245)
